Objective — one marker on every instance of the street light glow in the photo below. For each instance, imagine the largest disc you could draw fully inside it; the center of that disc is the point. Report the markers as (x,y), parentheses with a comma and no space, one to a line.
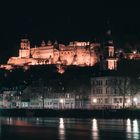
(128,101)
(61,100)
(135,99)
(94,100)
(134,51)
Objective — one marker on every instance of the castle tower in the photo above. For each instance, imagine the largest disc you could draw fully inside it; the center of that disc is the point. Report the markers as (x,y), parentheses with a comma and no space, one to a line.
(24,51)
(25,44)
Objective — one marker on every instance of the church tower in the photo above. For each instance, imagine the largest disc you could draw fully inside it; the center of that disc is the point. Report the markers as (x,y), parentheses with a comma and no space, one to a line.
(110,58)
(24,51)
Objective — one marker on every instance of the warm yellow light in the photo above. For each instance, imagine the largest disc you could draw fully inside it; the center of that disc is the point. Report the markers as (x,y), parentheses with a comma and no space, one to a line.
(135,99)
(128,101)
(61,100)
(134,52)
(94,100)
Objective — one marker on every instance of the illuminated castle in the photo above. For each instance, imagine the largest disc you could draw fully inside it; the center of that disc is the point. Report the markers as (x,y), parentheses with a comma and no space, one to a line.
(76,53)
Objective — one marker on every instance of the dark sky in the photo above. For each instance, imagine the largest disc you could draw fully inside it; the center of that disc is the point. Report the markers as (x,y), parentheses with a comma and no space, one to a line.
(66,20)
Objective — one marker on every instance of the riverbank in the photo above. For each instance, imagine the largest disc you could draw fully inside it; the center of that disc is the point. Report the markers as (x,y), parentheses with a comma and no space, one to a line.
(77,113)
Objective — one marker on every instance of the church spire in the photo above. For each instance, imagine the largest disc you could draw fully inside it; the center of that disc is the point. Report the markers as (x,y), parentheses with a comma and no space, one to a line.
(110,61)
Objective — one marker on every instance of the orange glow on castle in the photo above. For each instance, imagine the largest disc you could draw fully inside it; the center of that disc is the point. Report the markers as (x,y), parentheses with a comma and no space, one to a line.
(76,53)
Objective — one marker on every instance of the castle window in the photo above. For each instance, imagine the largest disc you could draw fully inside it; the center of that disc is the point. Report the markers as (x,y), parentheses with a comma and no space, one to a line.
(111,54)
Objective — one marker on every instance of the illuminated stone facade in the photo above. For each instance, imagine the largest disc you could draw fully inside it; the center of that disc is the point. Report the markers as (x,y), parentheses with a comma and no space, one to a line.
(76,53)
(132,56)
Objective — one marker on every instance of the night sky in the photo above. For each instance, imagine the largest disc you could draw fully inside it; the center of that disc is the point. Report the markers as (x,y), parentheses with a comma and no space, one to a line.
(66,21)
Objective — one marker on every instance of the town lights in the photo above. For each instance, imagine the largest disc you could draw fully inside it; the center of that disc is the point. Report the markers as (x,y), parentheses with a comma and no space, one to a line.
(134,51)
(61,100)
(94,100)
(135,100)
(61,103)
(128,101)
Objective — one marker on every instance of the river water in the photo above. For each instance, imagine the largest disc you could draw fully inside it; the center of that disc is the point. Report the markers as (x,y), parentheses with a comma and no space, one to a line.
(68,129)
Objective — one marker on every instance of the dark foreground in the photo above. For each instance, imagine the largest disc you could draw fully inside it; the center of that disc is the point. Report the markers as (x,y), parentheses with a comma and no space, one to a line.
(34,128)
(76,113)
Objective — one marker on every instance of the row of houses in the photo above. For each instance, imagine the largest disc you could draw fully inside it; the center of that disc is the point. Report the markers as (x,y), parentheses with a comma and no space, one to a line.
(105,92)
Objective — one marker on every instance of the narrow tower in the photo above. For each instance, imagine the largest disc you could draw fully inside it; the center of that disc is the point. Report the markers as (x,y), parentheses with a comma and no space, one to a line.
(24,51)
(110,59)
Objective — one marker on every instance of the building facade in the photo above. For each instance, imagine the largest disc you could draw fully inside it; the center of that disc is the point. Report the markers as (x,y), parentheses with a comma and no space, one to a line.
(110,92)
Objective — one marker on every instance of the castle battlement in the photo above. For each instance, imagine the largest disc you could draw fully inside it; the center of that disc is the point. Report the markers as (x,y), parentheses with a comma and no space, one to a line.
(76,53)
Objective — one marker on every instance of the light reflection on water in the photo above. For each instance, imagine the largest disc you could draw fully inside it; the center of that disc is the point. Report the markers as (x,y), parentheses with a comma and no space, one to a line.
(61,129)
(135,129)
(128,129)
(132,129)
(69,128)
(0,127)
(94,129)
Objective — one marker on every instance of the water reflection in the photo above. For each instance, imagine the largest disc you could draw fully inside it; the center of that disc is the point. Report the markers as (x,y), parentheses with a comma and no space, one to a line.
(94,130)
(132,129)
(128,129)
(70,128)
(128,125)
(0,127)
(9,120)
(15,121)
(135,129)
(61,129)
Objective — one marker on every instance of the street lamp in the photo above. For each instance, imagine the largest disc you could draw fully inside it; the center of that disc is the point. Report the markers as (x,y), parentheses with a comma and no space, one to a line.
(128,101)
(135,100)
(61,102)
(94,100)
(134,51)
